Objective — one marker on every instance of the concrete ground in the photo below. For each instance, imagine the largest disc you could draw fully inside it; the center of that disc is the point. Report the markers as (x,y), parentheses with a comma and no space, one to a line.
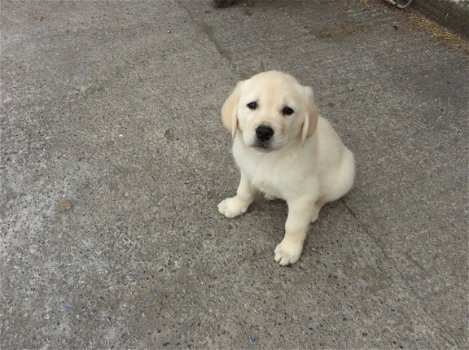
(114,160)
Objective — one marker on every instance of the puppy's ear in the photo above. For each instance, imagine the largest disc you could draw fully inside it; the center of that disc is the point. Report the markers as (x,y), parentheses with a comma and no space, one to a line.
(311,115)
(230,109)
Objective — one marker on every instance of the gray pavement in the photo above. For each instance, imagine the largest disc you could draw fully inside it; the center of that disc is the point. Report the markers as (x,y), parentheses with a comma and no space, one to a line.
(114,160)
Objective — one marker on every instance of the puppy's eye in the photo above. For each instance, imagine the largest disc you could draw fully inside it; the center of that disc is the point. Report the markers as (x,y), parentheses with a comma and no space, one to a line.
(252,105)
(287,111)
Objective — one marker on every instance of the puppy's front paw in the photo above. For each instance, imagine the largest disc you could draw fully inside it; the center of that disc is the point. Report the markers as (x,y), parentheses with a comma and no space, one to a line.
(232,207)
(288,252)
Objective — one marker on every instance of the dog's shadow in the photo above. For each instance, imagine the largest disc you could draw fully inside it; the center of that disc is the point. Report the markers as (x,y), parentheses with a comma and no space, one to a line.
(271,215)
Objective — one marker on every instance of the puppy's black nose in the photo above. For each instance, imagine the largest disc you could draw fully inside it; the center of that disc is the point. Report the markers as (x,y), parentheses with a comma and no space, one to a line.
(264,133)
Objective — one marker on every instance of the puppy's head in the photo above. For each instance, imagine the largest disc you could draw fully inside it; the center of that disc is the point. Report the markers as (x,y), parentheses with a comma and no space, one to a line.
(270,110)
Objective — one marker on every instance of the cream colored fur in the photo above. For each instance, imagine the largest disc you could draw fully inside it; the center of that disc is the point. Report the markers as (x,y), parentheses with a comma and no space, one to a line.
(305,162)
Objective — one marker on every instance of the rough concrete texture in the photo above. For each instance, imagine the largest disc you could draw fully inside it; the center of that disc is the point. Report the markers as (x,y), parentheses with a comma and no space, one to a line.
(114,160)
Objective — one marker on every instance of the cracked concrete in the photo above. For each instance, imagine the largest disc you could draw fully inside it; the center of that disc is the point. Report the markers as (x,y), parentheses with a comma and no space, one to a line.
(114,160)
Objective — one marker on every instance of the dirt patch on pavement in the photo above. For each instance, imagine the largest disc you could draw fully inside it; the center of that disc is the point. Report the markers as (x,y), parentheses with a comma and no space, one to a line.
(440,33)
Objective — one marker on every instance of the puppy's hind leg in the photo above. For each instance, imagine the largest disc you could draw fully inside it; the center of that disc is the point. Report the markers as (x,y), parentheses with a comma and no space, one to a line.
(237,205)
(342,182)
(338,186)
(317,207)
(269,197)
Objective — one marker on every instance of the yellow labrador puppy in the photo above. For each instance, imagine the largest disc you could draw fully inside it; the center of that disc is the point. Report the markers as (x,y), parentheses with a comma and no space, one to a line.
(284,149)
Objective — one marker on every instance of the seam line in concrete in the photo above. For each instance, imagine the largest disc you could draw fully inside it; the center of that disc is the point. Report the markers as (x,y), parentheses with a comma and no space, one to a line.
(451,339)
(208,31)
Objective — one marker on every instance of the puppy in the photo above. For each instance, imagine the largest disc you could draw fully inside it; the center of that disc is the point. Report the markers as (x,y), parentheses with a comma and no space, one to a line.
(284,149)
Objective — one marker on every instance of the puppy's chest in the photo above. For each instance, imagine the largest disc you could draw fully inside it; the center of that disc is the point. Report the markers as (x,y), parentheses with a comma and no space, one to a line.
(268,176)
(268,187)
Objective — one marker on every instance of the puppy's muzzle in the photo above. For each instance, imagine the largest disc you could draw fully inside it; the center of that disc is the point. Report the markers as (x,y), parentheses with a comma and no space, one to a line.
(264,133)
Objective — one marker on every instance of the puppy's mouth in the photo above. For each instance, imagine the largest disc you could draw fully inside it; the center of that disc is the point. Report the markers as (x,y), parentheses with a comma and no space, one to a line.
(263,146)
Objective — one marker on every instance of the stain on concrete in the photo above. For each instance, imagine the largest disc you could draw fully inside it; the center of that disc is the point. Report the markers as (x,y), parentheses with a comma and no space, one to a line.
(64,205)
(169,135)
(338,32)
